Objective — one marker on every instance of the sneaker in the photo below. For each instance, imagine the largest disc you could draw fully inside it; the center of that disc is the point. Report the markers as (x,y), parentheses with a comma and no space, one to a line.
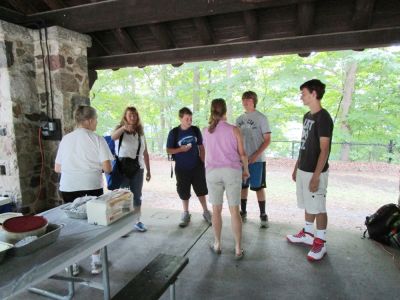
(185,219)
(139,226)
(207,216)
(264,221)
(75,270)
(96,268)
(318,250)
(301,238)
(243,215)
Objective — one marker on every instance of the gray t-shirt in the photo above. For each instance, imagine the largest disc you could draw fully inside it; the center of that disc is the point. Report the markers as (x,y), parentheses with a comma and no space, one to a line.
(253,126)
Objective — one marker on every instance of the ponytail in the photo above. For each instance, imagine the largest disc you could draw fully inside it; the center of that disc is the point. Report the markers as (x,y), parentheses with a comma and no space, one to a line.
(218,111)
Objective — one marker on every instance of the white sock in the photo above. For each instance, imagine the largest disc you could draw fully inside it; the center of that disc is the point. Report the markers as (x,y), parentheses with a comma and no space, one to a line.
(96,259)
(321,234)
(309,227)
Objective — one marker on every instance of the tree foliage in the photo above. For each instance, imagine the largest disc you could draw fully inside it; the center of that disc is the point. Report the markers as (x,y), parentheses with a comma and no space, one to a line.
(158,92)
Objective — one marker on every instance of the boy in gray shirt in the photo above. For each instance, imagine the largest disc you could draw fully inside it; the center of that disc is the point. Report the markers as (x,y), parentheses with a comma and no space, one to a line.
(256,138)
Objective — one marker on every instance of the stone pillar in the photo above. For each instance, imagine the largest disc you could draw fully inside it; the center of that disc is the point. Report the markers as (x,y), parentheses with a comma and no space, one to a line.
(28,159)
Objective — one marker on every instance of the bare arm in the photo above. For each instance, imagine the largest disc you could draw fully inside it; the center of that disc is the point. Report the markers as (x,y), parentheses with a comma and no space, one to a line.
(294,174)
(202,153)
(322,158)
(242,153)
(260,150)
(117,133)
(106,166)
(57,168)
(147,162)
(178,150)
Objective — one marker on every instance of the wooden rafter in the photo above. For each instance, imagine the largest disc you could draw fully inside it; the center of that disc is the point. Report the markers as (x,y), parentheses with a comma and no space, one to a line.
(125,40)
(300,44)
(100,44)
(251,23)
(363,14)
(163,36)
(96,16)
(204,29)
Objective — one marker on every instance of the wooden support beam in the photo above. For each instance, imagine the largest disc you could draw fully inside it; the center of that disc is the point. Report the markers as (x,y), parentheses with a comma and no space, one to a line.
(251,23)
(127,13)
(163,36)
(363,14)
(125,40)
(299,44)
(54,4)
(92,74)
(204,29)
(305,17)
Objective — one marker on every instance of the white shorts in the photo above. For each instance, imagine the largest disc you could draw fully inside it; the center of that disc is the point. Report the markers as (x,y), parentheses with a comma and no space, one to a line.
(313,203)
(224,179)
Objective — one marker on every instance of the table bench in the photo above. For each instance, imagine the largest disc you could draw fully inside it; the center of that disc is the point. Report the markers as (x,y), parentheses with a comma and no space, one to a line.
(154,279)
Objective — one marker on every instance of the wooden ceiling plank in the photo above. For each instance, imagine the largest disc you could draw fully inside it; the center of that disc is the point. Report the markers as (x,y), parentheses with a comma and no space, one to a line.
(251,23)
(305,17)
(204,29)
(23,6)
(97,17)
(299,44)
(163,36)
(54,4)
(363,14)
(125,40)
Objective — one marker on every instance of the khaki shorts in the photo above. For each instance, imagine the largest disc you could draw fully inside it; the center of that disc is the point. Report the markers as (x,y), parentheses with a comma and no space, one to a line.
(224,179)
(313,203)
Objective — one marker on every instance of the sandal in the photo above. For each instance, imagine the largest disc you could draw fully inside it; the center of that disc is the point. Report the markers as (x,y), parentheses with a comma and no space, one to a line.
(239,256)
(216,251)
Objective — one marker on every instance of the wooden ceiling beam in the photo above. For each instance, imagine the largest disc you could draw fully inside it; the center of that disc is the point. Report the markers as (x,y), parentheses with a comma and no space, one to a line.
(299,44)
(11,16)
(163,36)
(251,24)
(204,29)
(363,14)
(126,13)
(125,40)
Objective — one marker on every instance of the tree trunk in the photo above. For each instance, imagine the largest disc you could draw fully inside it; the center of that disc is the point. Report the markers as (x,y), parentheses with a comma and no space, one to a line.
(229,90)
(196,89)
(348,91)
(163,92)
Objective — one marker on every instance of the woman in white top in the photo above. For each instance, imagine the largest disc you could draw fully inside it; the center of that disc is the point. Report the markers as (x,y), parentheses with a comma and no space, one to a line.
(81,158)
(130,133)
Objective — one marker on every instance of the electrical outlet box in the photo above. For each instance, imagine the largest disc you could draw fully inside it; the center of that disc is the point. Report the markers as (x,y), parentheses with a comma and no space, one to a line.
(51,130)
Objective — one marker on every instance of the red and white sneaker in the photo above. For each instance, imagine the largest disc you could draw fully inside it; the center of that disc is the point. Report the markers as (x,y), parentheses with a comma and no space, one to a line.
(317,251)
(301,238)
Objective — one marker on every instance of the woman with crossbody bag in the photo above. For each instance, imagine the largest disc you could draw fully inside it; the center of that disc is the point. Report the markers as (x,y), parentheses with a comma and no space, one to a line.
(133,157)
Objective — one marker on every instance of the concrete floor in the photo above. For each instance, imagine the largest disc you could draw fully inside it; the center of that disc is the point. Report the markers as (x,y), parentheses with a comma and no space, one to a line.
(354,268)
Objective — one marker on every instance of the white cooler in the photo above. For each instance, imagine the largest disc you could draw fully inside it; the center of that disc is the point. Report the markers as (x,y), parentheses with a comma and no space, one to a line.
(109,207)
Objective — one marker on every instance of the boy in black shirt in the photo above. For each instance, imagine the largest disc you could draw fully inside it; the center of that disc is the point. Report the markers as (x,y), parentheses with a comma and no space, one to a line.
(311,170)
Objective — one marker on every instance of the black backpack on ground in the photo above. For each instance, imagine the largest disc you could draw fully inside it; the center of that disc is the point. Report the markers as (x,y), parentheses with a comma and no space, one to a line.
(384,224)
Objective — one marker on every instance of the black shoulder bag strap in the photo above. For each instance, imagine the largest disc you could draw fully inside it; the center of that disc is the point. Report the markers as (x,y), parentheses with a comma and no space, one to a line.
(175,133)
(138,149)
(117,154)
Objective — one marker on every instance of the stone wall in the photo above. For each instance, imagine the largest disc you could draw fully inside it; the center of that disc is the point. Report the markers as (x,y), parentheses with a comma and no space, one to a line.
(24,103)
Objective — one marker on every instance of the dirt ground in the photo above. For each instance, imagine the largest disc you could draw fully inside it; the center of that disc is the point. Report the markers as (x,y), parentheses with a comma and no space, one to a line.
(355,190)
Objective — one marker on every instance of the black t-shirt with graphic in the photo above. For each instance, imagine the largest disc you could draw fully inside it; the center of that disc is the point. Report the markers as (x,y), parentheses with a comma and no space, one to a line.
(315,126)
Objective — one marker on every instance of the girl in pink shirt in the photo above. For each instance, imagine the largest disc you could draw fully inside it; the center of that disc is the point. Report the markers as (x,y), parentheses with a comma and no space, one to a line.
(226,166)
